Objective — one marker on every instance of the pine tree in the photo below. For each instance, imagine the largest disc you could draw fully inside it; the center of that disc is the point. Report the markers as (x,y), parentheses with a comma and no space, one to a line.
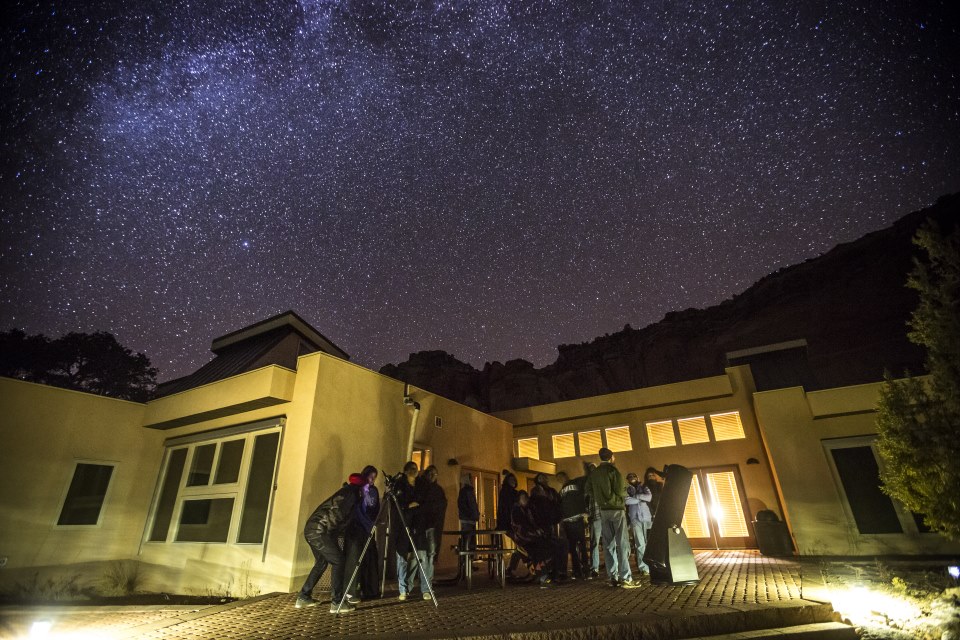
(919,418)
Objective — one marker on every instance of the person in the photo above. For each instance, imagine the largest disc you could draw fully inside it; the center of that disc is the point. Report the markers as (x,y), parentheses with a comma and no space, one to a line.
(367,584)
(468,511)
(545,503)
(322,531)
(405,493)
(505,503)
(608,488)
(541,546)
(573,508)
(638,518)
(428,524)
(593,520)
(653,480)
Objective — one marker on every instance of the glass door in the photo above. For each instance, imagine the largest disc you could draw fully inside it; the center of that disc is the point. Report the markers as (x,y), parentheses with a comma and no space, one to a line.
(716,515)
(486,484)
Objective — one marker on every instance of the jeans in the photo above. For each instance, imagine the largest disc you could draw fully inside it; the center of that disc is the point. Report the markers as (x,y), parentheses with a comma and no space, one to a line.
(616,545)
(468,542)
(575,534)
(595,534)
(639,531)
(426,556)
(326,551)
(406,570)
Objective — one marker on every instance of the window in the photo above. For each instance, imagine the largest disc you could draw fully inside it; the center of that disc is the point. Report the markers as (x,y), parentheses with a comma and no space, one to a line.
(618,439)
(528,448)
(661,434)
(563,445)
(693,430)
(217,490)
(423,456)
(590,443)
(859,476)
(84,500)
(726,426)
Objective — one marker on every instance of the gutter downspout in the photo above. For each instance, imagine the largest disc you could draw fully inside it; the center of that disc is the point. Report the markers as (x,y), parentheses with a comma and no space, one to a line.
(408,401)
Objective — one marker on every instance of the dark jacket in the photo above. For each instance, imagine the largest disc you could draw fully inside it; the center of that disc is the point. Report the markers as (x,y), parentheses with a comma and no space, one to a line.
(607,487)
(335,513)
(505,504)
(467,508)
(433,505)
(368,507)
(524,526)
(404,492)
(545,503)
(573,500)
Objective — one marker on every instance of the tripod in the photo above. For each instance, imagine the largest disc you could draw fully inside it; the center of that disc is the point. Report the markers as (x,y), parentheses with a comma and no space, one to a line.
(386,547)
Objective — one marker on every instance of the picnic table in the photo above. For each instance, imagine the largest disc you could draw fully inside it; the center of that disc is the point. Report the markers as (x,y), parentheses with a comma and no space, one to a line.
(488,547)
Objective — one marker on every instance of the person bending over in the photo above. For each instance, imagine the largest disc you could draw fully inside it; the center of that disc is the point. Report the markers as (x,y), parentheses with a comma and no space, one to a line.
(540,545)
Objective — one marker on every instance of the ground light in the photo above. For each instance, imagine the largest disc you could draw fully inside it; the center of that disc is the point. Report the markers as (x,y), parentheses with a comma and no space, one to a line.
(44,628)
(954,572)
(40,628)
(861,605)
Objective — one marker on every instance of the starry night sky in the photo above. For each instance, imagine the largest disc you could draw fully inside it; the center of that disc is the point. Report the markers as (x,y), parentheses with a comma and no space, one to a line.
(487,178)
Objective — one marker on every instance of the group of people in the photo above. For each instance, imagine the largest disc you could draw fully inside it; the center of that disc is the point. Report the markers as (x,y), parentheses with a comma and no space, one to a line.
(351,513)
(547,524)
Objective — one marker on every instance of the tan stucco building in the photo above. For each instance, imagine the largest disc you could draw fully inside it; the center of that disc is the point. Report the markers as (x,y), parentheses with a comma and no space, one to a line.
(206,489)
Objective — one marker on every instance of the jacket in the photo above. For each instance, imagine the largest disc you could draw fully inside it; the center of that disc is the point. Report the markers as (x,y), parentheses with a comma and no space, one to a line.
(505,503)
(467,508)
(607,487)
(335,513)
(573,500)
(545,504)
(433,506)
(638,496)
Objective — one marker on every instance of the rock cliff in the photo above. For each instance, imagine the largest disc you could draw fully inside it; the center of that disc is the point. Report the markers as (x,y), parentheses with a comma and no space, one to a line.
(849,304)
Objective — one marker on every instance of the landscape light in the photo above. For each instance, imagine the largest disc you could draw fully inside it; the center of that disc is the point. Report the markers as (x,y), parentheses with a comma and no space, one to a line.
(41,628)
(954,572)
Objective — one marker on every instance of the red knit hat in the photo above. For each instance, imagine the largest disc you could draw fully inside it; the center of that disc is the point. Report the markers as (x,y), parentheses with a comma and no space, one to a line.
(356,479)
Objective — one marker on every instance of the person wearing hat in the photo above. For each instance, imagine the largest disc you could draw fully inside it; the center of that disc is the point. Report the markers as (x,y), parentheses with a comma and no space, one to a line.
(638,517)
(608,488)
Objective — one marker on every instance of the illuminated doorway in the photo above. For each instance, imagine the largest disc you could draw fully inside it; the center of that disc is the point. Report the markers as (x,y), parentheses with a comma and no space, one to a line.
(717,515)
(486,484)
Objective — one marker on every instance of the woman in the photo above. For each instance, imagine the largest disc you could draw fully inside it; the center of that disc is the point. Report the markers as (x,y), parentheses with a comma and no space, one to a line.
(368,576)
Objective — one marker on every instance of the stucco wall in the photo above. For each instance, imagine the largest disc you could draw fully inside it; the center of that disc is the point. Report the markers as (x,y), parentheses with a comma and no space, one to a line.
(796,426)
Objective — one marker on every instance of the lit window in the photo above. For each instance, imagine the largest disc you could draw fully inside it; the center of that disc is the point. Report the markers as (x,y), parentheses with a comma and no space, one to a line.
(693,430)
(661,434)
(563,445)
(727,426)
(618,439)
(217,491)
(528,448)
(590,443)
(422,456)
(85,496)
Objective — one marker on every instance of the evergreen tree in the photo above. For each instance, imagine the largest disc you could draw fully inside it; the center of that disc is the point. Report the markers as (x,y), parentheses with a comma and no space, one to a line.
(919,418)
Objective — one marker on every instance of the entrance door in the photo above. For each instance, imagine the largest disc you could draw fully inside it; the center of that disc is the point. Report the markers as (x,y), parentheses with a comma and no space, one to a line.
(717,515)
(486,484)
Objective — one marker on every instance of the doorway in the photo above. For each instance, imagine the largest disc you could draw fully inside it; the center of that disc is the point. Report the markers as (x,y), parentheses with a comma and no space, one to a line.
(486,484)
(717,515)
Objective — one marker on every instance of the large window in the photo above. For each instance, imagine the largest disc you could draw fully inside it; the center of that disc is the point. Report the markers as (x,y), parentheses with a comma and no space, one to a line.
(84,500)
(528,448)
(859,475)
(590,442)
(727,426)
(660,434)
(217,490)
(693,430)
(618,438)
(563,446)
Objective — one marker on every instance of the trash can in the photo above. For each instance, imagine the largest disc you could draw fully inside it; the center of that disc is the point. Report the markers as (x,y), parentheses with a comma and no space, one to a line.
(773,538)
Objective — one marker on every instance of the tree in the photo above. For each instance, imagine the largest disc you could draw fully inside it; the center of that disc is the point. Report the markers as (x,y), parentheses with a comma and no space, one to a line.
(91,362)
(918,419)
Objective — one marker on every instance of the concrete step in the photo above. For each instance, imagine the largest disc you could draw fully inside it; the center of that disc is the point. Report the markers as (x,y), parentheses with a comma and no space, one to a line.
(815,631)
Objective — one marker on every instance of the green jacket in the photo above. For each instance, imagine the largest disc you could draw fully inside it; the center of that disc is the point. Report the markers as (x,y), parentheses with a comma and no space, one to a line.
(607,487)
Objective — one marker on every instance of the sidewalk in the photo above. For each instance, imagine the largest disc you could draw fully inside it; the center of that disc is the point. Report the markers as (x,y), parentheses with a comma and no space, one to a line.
(738,591)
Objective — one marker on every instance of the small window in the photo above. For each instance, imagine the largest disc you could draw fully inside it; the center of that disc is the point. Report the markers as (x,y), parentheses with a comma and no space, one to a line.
(228,469)
(85,496)
(201,466)
(590,443)
(423,456)
(168,496)
(693,430)
(206,520)
(528,448)
(618,439)
(661,434)
(727,426)
(563,445)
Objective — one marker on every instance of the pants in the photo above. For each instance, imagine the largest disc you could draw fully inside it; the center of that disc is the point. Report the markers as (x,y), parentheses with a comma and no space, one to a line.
(575,532)
(595,533)
(552,550)
(326,551)
(639,531)
(426,556)
(468,541)
(406,569)
(616,545)
(368,575)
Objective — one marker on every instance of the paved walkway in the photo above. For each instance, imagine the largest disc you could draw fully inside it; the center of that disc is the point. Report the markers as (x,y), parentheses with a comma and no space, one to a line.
(739,590)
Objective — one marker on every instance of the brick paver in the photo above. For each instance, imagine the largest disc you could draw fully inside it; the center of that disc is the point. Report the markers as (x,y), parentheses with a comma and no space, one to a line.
(732,582)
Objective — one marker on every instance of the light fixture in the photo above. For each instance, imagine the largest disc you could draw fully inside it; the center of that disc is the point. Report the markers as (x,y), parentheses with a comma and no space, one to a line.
(954,572)
(40,628)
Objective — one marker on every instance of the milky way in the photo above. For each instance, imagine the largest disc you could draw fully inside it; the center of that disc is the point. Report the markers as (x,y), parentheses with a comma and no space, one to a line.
(492,179)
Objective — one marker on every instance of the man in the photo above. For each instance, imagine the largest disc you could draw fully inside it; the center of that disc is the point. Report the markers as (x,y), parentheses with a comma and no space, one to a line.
(573,507)
(545,503)
(638,517)
(540,545)
(505,503)
(405,493)
(607,487)
(428,524)
(468,511)
(653,480)
(593,519)
(322,531)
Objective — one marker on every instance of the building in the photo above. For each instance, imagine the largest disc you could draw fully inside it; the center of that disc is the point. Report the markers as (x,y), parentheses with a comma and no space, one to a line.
(206,488)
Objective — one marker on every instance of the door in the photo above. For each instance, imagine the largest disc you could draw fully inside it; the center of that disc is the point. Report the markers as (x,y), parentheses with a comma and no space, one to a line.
(486,484)
(717,515)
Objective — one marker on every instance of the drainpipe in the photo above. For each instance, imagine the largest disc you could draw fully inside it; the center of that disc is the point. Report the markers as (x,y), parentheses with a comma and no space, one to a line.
(410,402)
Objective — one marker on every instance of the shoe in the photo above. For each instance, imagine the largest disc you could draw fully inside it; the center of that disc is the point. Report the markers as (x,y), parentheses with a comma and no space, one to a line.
(426,596)
(352,599)
(303,603)
(402,597)
(593,574)
(615,583)
(346,608)
(545,582)
(630,584)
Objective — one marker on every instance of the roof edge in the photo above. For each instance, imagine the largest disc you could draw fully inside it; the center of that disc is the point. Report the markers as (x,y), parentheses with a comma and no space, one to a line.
(285,319)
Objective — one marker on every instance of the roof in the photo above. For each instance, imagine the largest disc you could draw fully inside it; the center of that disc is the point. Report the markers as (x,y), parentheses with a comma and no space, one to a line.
(252,347)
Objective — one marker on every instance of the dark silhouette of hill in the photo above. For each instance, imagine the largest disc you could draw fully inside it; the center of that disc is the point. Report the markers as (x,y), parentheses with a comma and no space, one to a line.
(850,305)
